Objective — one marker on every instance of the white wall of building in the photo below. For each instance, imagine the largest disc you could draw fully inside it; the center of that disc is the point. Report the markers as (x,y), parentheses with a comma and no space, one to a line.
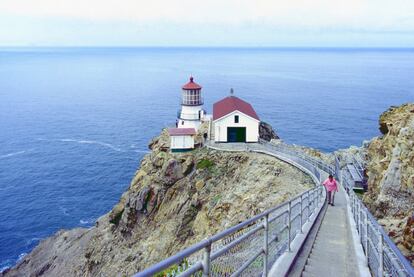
(190,116)
(251,124)
(182,142)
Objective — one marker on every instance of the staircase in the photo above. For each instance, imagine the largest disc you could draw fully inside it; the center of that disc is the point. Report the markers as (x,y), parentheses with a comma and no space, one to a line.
(332,254)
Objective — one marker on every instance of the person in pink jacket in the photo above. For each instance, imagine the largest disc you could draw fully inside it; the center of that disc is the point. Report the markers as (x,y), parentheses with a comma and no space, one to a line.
(331,186)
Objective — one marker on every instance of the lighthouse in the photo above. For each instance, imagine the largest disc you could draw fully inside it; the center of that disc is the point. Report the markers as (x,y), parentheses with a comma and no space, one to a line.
(191,112)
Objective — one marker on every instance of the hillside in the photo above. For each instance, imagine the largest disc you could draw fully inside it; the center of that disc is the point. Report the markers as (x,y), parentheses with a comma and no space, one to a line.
(390,169)
(173,201)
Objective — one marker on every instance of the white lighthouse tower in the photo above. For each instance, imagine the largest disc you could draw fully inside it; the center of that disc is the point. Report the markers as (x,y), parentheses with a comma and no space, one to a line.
(191,112)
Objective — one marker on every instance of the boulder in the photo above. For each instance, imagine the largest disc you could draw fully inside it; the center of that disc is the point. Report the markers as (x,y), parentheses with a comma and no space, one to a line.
(172,172)
(266,132)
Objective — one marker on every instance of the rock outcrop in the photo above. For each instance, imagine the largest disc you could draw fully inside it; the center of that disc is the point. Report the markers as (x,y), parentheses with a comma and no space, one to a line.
(390,171)
(174,200)
(266,132)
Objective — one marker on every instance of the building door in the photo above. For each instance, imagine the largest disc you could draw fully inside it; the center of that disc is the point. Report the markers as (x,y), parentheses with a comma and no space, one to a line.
(236,134)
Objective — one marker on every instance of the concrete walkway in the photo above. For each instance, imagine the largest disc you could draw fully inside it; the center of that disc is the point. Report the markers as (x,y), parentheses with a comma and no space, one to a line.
(333,252)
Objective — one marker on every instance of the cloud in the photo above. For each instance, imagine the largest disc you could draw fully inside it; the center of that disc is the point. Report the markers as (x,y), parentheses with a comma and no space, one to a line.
(252,22)
(285,13)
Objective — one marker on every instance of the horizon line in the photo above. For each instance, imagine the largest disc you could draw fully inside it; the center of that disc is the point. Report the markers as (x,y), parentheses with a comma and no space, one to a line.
(201,46)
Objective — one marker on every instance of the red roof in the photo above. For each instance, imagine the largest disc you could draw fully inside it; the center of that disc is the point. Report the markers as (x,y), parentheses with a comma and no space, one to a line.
(191,85)
(231,104)
(181,131)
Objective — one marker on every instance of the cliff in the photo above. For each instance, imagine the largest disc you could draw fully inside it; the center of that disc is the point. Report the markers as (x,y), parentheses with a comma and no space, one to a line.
(390,171)
(174,200)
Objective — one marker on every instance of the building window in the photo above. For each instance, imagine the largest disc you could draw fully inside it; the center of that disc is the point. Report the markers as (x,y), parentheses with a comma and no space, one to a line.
(236,119)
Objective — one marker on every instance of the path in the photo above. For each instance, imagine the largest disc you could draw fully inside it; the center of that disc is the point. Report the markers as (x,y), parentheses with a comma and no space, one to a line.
(333,253)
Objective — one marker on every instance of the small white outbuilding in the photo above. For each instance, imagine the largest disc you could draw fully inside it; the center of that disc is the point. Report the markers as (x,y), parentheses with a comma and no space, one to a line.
(181,139)
(235,120)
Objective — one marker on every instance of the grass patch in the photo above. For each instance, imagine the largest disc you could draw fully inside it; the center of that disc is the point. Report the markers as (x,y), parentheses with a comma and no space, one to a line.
(205,163)
(173,269)
(215,200)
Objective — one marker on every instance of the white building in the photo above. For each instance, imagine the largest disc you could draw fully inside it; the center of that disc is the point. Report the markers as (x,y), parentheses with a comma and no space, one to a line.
(181,139)
(191,112)
(235,120)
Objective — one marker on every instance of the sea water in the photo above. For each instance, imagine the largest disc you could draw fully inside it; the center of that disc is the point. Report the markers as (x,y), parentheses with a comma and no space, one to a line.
(75,122)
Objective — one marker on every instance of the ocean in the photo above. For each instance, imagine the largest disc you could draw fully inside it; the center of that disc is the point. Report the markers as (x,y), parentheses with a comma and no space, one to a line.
(75,122)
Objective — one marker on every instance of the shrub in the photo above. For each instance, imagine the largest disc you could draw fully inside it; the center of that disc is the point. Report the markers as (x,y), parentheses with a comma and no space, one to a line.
(205,163)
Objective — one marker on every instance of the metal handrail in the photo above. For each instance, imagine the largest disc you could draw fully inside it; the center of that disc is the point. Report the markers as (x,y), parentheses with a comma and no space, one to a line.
(288,149)
(398,265)
(318,163)
(266,223)
(383,256)
(261,219)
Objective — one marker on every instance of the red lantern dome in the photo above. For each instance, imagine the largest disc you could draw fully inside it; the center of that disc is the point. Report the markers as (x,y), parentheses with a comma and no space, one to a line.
(191,85)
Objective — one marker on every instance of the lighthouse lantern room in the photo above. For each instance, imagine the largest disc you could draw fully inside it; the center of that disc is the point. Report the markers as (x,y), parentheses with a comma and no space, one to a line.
(191,112)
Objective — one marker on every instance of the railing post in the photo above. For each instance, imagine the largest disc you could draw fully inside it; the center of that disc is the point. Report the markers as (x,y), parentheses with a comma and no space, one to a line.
(321,192)
(266,245)
(356,212)
(381,255)
(301,214)
(307,207)
(313,201)
(317,197)
(359,219)
(206,262)
(366,235)
(352,205)
(289,223)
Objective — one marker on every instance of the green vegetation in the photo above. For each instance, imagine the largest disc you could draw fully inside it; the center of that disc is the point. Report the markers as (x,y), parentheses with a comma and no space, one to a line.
(147,200)
(171,269)
(205,163)
(215,200)
(359,193)
(115,220)
(258,263)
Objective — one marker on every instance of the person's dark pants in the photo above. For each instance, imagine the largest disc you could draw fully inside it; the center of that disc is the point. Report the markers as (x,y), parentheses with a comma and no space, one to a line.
(331,197)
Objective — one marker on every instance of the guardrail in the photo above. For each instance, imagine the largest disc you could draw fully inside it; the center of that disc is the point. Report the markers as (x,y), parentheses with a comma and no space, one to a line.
(251,247)
(192,100)
(294,152)
(383,256)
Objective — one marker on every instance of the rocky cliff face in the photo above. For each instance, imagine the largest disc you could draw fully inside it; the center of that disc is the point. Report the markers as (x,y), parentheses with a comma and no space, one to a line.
(390,169)
(173,201)
(266,131)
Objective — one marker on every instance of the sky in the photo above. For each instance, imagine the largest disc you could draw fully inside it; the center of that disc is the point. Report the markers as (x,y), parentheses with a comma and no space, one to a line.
(251,23)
